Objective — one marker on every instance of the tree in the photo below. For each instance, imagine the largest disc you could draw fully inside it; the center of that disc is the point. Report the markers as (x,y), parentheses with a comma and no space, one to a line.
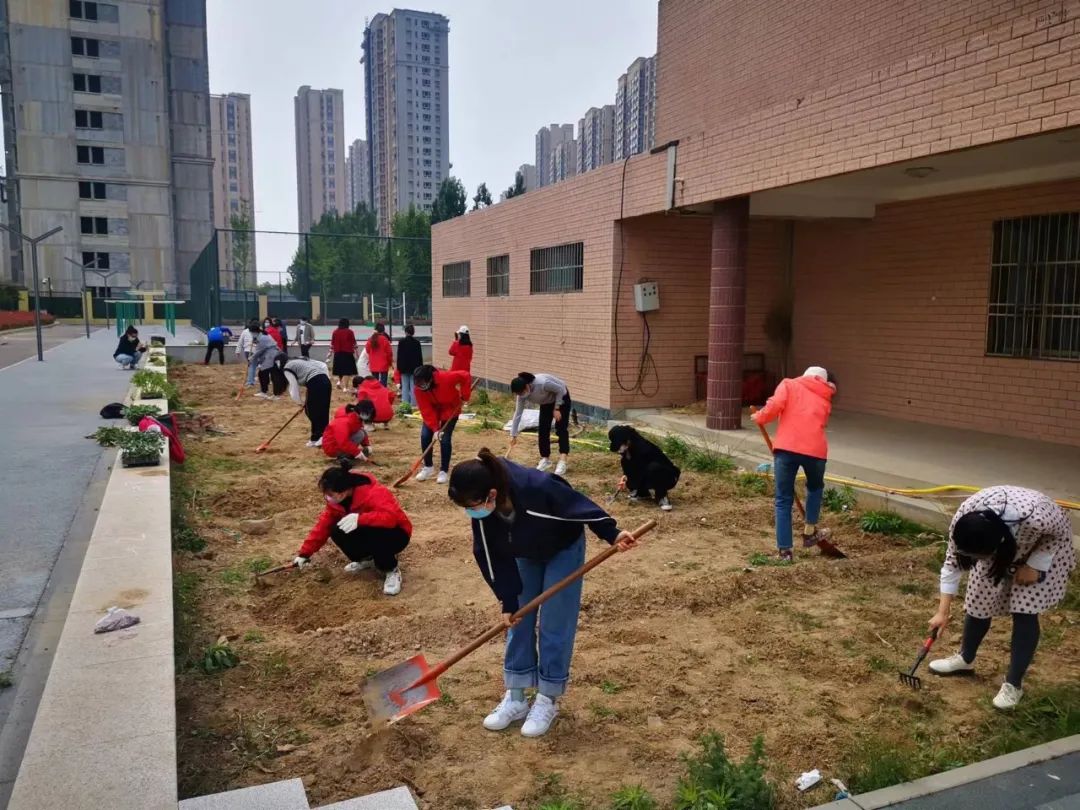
(518,188)
(449,201)
(412,257)
(482,198)
(342,255)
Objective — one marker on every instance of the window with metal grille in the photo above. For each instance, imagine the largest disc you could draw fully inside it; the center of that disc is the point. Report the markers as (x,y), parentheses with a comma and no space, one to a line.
(498,275)
(1034,301)
(456,281)
(557,269)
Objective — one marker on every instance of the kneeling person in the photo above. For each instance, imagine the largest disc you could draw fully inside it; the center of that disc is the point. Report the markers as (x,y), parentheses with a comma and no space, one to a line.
(366,522)
(347,434)
(645,466)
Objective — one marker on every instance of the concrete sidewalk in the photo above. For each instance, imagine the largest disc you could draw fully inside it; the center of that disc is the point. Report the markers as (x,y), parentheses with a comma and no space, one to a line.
(907,454)
(47,409)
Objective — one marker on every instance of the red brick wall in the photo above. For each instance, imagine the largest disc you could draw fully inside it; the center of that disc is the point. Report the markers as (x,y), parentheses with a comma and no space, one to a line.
(760,96)
(896,306)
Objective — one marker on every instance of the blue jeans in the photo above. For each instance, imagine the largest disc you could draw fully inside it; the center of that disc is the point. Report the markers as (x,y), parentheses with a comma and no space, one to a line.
(785,467)
(251,370)
(545,666)
(127,359)
(381,376)
(446,445)
(407,390)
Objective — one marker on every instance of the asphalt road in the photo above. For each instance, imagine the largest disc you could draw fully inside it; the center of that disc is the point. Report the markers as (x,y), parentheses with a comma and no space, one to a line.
(22,343)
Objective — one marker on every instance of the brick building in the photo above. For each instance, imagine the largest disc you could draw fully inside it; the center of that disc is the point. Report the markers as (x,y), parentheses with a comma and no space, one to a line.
(905,181)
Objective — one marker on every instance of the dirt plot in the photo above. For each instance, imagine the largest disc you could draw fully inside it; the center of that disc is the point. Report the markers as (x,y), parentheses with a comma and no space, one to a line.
(677,638)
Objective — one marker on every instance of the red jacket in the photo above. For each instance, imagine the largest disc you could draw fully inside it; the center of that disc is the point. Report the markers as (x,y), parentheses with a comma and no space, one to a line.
(176,450)
(449,390)
(343,340)
(374,503)
(337,438)
(803,405)
(462,357)
(275,333)
(381,396)
(380,353)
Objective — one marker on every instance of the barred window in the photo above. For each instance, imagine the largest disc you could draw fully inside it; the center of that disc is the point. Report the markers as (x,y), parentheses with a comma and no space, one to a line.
(1034,300)
(498,275)
(455,280)
(557,269)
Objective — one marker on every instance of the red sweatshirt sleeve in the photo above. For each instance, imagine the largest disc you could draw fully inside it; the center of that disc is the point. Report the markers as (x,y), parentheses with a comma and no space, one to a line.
(319,533)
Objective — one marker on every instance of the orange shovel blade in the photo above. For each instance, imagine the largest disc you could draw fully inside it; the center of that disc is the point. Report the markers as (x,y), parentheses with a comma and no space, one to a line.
(388,695)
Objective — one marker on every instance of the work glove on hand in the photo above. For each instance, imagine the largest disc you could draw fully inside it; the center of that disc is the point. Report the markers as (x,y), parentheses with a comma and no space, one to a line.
(300,562)
(349,522)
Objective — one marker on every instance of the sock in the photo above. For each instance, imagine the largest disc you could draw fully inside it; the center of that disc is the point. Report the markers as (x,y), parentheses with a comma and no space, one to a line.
(517,694)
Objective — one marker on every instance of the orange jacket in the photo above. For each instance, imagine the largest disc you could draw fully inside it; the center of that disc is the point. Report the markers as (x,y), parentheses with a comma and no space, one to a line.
(803,405)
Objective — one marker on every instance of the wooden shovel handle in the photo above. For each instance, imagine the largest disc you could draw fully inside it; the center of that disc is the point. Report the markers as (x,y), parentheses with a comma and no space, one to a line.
(768,441)
(528,607)
(266,444)
(416,464)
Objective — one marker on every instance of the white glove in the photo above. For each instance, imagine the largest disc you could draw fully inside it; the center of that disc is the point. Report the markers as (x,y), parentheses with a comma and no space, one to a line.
(300,562)
(361,456)
(348,523)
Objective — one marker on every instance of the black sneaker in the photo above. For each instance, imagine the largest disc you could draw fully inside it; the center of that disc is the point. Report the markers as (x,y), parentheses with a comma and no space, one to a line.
(786,555)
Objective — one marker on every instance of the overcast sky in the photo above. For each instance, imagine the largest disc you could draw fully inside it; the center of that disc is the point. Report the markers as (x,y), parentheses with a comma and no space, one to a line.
(515,65)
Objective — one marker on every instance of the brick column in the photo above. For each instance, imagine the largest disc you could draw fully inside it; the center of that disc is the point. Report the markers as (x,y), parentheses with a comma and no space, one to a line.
(727,313)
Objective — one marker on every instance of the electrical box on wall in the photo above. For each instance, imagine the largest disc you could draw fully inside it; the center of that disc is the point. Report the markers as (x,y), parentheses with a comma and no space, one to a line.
(647,296)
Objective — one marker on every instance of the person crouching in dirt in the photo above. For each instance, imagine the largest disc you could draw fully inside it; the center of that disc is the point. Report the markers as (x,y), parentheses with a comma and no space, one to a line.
(1017,546)
(315,376)
(440,396)
(364,520)
(548,519)
(347,435)
(802,404)
(382,397)
(645,467)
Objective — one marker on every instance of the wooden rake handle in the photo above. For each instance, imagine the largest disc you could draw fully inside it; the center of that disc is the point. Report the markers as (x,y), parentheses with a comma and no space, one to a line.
(288,422)
(768,441)
(431,445)
(499,627)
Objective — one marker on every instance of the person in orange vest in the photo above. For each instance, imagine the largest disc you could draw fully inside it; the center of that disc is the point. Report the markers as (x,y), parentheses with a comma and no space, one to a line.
(381,396)
(802,404)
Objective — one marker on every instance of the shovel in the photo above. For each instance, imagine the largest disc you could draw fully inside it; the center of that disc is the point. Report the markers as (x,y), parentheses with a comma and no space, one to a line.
(266,444)
(395,693)
(416,464)
(824,545)
(909,678)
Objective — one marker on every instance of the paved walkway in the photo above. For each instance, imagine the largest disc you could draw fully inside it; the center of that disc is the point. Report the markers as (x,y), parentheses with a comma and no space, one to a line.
(19,344)
(46,409)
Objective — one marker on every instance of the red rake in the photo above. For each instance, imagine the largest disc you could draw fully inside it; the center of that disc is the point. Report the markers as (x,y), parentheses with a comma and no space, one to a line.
(406,688)
(825,546)
(266,444)
(909,678)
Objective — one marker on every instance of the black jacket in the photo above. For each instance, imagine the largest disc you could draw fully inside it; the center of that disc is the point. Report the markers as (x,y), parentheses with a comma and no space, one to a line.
(549,516)
(127,346)
(643,462)
(409,355)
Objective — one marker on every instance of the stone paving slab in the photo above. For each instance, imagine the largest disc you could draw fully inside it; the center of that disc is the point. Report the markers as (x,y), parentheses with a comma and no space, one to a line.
(397,799)
(284,795)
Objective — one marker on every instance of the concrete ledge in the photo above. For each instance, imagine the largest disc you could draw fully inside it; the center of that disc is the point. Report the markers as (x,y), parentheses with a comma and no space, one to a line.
(285,795)
(958,777)
(397,799)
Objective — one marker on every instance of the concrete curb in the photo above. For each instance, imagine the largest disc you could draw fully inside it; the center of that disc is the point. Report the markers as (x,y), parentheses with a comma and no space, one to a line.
(891,796)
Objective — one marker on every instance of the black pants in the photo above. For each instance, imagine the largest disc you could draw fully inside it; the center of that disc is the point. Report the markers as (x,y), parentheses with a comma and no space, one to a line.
(656,477)
(368,543)
(265,378)
(1025,639)
(562,427)
(305,349)
(215,344)
(317,406)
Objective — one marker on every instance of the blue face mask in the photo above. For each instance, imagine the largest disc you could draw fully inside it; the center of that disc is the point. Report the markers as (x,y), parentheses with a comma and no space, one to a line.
(478,512)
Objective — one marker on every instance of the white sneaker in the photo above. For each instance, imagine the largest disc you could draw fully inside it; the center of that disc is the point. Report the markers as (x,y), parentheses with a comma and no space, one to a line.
(443,478)
(954,663)
(508,711)
(261,395)
(274,398)
(425,474)
(360,565)
(632,496)
(665,504)
(311,443)
(541,716)
(392,583)
(544,465)
(1007,697)
(560,468)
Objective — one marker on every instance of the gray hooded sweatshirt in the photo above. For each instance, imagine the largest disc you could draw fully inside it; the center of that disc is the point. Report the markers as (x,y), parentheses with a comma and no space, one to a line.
(546,390)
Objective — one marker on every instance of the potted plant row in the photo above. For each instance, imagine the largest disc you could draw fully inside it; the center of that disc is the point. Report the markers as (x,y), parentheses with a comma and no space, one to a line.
(141,449)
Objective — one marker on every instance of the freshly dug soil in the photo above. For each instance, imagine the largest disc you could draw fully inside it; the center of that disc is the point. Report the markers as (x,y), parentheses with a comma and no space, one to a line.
(680,637)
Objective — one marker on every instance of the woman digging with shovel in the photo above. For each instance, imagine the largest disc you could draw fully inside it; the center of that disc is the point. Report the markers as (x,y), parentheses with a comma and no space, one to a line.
(547,518)
(366,522)
(1017,546)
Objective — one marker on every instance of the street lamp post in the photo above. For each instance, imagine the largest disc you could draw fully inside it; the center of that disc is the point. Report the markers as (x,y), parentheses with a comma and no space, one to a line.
(92,268)
(37,282)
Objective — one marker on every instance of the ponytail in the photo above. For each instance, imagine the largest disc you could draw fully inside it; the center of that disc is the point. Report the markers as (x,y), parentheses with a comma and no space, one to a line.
(471,481)
(340,477)
(517,385)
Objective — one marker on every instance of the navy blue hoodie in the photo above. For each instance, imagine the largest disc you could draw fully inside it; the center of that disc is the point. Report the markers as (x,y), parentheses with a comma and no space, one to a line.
(549,516)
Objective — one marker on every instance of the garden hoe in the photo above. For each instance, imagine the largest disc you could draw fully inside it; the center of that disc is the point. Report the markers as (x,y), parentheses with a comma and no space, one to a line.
(614,495)
(825,546)
(260,574)
(910,678)
(266,444)
(395,693)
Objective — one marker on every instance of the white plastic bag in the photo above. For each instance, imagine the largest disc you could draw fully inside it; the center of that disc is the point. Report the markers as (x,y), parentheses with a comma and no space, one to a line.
(115,618)
(530,420)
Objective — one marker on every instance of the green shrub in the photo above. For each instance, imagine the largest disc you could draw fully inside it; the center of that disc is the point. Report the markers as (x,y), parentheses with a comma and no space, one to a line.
(842,499)
(108,436)
(404,409)
(761,558)
(890,523)
(218,658)
(633,797)
(675,447)
(482,398)
(185,538)
(714,782)
(135,413)
(749,483)
(874,763)
(706,461)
